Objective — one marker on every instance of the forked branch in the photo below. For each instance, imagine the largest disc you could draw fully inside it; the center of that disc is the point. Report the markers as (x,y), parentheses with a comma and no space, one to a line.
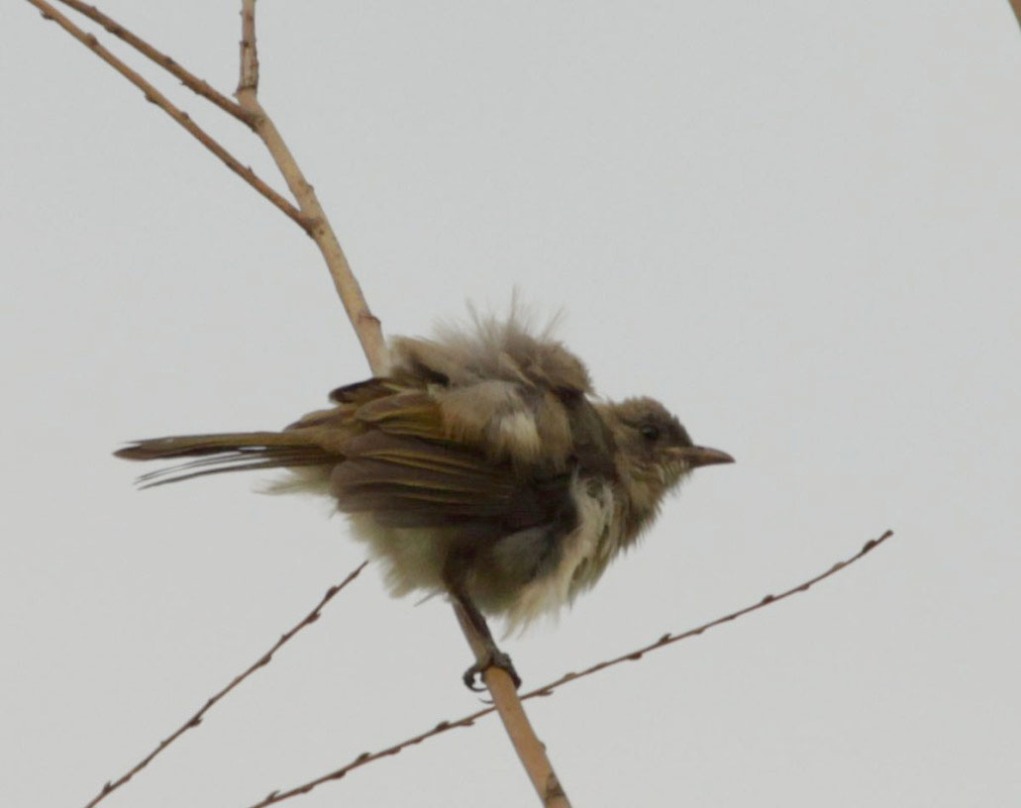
(186,77)
(307,214)
(156,97)
(311,217)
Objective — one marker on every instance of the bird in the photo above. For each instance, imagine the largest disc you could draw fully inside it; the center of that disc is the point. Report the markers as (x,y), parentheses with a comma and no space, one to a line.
(481,466)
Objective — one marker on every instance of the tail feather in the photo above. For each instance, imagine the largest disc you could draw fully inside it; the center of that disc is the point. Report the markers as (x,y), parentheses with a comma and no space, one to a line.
(194,445)
(239,451)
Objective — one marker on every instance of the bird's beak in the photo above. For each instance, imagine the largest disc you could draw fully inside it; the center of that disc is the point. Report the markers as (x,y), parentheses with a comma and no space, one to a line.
(696,456)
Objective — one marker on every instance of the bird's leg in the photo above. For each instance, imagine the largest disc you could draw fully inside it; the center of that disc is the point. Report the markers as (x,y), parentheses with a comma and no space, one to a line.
(491,656)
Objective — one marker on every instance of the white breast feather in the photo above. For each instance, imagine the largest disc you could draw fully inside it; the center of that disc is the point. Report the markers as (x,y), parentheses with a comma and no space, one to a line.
(586,552)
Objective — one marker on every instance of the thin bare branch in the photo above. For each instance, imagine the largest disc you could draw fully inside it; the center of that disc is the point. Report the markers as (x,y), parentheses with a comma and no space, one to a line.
(547,689)
(670,639)
(156,97)
(367,757)
(196,719)
(365,323)
(186,77)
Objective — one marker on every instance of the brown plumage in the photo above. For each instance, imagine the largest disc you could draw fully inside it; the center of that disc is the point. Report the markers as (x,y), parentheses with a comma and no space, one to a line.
(481,466)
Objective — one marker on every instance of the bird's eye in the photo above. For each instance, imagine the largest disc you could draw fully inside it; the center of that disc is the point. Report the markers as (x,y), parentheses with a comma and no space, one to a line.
(650,432)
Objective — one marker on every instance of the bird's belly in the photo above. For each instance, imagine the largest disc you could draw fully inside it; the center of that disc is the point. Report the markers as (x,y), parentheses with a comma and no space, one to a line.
(521,576)
(413,558)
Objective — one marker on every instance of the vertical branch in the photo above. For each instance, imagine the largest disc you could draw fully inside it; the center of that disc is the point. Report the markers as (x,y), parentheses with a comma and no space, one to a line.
(249,81)
(366,325)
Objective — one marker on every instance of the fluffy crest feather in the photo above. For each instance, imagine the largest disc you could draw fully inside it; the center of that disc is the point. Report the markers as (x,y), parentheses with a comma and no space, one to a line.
(490,349)
(499,385)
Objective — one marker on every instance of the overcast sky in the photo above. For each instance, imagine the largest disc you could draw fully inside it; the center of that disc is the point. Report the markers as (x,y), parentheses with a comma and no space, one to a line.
(795,223)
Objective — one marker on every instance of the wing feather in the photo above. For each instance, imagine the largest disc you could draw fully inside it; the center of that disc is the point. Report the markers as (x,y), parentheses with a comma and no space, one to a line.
(487,433)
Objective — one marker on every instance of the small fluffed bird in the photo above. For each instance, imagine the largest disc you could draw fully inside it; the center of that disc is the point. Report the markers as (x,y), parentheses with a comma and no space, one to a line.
(481,467)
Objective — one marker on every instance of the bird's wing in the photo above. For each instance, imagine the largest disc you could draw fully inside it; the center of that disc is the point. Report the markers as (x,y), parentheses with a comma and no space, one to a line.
(498,453)
(403,462)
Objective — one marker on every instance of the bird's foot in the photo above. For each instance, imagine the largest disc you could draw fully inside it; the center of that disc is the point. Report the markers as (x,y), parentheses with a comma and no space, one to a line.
(495,658)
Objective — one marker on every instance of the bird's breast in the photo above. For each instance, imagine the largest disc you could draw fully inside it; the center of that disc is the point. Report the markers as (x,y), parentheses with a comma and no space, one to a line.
(580,559)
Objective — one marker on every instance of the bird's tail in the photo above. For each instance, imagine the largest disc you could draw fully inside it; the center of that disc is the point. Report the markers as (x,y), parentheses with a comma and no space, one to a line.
(231,451)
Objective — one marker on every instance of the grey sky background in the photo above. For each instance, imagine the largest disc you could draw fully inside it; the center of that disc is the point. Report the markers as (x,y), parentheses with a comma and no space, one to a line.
(795,223)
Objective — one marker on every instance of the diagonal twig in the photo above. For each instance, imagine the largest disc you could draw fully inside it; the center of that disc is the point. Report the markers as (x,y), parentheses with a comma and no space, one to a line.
(187,78)
(547,690)
(670,639)
(196,719)
(156,97)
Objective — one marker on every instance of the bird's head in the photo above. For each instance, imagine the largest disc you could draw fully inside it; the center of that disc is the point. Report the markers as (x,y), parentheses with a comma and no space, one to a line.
(653,452)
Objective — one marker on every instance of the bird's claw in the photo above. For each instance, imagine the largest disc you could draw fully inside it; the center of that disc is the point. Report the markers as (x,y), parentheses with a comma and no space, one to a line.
(494,659)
